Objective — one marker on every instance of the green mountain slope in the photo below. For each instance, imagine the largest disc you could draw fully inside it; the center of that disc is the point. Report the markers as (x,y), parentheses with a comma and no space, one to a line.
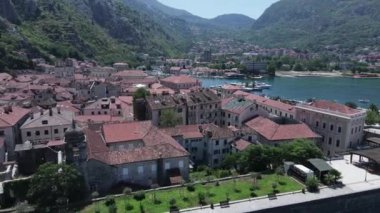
(105,30)
(318,23)
(234,21)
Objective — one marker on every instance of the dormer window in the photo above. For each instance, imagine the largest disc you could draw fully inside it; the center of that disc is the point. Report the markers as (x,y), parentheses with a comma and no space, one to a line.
(44,122)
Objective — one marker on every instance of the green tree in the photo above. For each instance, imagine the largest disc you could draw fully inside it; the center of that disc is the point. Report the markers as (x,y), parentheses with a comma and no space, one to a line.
(351,105)
(336,174)
(230,161)
(299,151)
(374,108)
(52,182)
(372,118)
(271,69)
(139,107)
(169,118)
(298,67)
(312,184)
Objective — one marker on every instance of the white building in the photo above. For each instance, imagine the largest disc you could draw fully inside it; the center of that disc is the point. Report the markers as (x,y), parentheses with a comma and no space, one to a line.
(45,126)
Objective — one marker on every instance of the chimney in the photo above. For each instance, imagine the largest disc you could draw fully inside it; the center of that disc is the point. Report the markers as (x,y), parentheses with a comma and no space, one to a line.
(42,111)
(6,110)
(59,110)
(50,112)
(31,115)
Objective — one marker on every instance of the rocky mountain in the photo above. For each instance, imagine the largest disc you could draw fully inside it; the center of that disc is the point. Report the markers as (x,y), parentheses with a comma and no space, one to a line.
(105,30)
(319,23)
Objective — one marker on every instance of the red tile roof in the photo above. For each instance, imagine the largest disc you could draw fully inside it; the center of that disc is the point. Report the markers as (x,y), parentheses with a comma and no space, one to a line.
(277,132)
(242,144)
(130,73)
(156,145)
(187,131)
(334,107)
(124,132)
(181,79)
(11,118)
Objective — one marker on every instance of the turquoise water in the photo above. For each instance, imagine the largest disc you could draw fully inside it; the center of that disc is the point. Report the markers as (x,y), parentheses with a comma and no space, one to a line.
(302,88)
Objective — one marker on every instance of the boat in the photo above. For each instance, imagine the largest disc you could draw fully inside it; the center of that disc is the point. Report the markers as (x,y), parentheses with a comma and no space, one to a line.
(364,101)
(257,77)
(234,76)
(263,85)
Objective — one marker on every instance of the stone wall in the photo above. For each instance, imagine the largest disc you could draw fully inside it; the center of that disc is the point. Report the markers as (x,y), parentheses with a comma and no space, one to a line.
(368,201)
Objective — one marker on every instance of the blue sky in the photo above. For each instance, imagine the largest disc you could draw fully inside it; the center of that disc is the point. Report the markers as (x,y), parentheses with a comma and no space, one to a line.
(213,8)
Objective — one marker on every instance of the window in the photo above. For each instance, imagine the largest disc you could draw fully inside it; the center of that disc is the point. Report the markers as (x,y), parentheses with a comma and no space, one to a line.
(28,134)
(225,142)
(317,123)
(217,142)
(330,141)
(324,125)
(99,113)
(92,113)
(37,133)
(105,112)
(331,127)
(44,122)
(56,131)
(337,143)
(65,129)
(167,165)
(1,133)
(125,172)
(339,129)
(46,132)
(180,164)
(216,161)
(140,170)
(179,110)
(216,152)
(229,115)
(154,168)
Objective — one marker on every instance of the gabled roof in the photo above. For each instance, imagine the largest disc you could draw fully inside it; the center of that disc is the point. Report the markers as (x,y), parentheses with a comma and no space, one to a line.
(56,119)
(13,117)
(181,79)
(157,144)
(334,107)
(277,132)
(241,144)
(236,105)
(266,101)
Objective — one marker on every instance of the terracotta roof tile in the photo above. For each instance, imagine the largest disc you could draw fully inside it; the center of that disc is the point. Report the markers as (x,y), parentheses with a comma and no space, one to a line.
(276,132)
(334,107)
(181,79)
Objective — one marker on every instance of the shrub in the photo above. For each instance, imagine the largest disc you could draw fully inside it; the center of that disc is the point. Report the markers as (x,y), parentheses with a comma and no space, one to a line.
(186,199)
(190,188)
(139,196)
(157,202)
(172,202)
(217,183)
(312,184)
(253,194)
(237,190)
(129,207)
(112,208)
(142,210)
(201,168)
(224,173)
(254,187)
(110,200)
(259,177)
(201,198)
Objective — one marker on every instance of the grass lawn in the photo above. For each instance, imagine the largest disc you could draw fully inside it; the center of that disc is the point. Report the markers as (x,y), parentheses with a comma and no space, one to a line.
(213,193)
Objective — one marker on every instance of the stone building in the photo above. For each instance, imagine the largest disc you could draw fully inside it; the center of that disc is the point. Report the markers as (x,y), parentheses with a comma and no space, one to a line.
(236,111)
(196,107)
(180,82)
(135,153)
(207,144)
(340,126)
(46,125)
